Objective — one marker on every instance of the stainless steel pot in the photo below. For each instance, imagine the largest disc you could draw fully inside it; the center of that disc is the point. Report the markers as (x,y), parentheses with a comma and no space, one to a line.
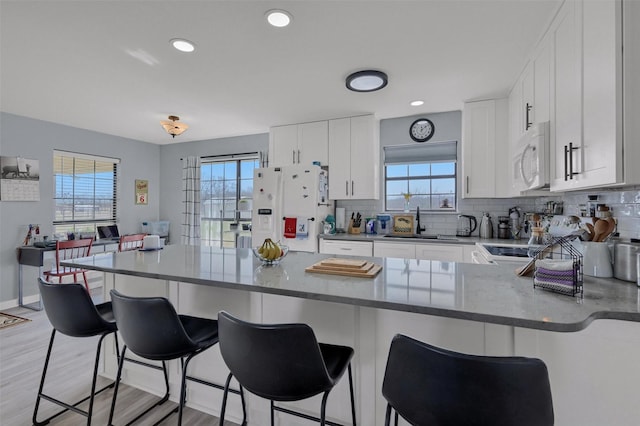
(625,261)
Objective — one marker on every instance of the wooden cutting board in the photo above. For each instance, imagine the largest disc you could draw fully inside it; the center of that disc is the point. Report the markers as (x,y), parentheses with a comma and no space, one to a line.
(345,267)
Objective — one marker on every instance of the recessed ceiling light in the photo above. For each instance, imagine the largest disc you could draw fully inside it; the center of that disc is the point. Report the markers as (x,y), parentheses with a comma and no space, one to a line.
(417,103)
(366,81)
(183,45)
(278,18)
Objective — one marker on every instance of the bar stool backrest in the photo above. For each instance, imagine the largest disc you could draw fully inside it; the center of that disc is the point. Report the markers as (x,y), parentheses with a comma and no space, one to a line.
(429,385)
(131,242)
(280,362)
(150,327)
(71,311)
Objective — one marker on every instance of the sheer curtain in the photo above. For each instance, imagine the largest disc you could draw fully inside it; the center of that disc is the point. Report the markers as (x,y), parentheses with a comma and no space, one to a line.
(191,201)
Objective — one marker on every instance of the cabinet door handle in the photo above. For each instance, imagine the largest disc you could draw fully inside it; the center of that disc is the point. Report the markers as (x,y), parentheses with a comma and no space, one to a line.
(527,122)
(571,149)
(352,188)
(467,184)
(298,156)
(346,187)
(566,169)
(293,158)
(345,248)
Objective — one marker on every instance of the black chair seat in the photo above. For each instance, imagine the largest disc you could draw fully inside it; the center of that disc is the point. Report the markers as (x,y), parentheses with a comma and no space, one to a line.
(282,362)
(202,331)
(336,359)
(427,385)
(152,329)
(72,312)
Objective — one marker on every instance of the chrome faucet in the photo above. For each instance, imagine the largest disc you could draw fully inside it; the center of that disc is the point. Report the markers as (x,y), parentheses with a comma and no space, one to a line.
(419,229)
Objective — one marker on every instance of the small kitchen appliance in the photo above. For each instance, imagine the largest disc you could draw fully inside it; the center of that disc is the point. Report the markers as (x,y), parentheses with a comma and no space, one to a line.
(530,165)
(384,223)
(625,261)
(486,226)
(466,225)
(503,227)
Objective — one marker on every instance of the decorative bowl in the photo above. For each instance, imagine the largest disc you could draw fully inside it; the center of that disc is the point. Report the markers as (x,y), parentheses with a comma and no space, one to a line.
(283,252)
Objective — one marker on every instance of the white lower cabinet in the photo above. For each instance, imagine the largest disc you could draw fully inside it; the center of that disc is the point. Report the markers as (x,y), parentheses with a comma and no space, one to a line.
(349,248)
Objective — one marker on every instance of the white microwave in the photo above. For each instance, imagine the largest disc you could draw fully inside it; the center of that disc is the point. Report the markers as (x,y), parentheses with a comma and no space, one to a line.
(530,165)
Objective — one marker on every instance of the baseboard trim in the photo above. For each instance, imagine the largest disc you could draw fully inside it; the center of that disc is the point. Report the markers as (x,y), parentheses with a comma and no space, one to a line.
(27,300)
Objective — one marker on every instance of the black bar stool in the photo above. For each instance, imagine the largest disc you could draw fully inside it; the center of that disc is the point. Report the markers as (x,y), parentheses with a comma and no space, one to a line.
(72,312)
(151,329)
(282,362)
(427,385)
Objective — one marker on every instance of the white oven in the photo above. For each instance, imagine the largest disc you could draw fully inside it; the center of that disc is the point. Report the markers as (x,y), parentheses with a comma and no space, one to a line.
(530,165)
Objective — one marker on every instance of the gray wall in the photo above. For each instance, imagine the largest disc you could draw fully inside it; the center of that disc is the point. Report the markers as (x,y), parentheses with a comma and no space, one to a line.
(171,167)
(29,138)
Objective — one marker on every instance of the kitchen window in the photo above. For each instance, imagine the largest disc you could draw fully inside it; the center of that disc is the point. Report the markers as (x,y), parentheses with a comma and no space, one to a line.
(421,176)
(85,192)
(226,191)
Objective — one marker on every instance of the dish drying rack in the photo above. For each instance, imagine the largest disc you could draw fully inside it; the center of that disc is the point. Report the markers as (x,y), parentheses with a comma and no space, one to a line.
(560,248)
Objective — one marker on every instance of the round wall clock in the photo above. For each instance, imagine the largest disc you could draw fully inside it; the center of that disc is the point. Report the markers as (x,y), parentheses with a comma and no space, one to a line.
(421,130)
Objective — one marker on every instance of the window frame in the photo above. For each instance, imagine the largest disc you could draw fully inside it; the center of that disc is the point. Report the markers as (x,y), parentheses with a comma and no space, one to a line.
(241,218)
(62,227)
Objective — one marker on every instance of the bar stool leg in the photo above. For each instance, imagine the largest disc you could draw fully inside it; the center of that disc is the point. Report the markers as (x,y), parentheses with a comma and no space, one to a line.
(353,403)
(323,408)
(44,373)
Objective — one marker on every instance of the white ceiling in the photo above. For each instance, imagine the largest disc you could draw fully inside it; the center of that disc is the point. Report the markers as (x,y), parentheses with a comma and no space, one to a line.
(108,65)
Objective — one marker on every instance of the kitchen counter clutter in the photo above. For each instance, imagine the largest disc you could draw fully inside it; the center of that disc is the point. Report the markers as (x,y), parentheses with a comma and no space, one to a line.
(476,309)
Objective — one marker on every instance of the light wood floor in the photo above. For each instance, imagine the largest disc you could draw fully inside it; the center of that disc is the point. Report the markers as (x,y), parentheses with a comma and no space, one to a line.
(22,351)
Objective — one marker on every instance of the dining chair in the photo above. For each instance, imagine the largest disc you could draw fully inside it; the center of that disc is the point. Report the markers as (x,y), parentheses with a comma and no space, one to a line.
(131,242)
(66,250)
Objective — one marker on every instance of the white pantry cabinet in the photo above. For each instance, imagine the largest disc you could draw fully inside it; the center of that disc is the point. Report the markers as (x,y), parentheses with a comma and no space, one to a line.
(354,158)
(299,144)
(349,248)
(484,146)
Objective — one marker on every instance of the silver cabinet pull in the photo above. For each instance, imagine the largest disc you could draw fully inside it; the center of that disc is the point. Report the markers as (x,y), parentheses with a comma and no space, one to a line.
(527,122)
(568,158)
(346,187)
(293,156)
(352,189)
(298,156)
(345,248)
(467,184)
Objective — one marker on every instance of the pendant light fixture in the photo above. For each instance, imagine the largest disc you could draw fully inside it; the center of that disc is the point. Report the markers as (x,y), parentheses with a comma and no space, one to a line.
(174,127)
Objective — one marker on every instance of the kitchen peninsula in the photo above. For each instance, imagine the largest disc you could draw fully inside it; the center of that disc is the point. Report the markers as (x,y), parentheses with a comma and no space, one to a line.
(481,309)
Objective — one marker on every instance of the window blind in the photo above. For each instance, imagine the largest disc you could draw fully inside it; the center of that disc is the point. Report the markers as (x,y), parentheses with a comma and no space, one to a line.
(421,153)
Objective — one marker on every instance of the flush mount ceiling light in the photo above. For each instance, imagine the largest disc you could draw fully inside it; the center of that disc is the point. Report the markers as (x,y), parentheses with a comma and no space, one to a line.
(417,103)
(366,81)
(174,127)
(278,18)
(183,45)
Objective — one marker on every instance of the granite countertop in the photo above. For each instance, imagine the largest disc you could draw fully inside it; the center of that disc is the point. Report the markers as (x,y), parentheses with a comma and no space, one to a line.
(446,239)
(485,293)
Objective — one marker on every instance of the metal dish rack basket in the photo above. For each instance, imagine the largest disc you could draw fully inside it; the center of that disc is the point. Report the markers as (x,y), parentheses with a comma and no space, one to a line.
(568,282)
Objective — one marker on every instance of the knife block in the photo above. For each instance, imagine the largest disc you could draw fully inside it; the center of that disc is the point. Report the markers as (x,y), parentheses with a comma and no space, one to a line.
(352,229)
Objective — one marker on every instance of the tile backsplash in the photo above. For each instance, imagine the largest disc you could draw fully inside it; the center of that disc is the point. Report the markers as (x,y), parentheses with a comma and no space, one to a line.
(624,204)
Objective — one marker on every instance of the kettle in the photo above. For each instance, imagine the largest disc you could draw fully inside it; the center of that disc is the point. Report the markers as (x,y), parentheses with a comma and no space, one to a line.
(466,225)
(486,226)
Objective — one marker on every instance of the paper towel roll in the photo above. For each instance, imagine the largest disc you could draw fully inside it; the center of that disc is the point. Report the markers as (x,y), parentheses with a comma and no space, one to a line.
(151,242)
(340,218)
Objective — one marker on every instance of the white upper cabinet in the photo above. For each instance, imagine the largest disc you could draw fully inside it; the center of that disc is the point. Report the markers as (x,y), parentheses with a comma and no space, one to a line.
(566,128)
(299,144)
(484,145)
(354,158)
(591,74)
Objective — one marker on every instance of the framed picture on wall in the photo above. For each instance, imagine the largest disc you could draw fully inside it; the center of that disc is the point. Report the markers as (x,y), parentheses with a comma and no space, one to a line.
(20,180)
(142,191)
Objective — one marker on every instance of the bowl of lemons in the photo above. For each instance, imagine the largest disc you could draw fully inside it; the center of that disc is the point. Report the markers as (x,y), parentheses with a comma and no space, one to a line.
(270,252)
